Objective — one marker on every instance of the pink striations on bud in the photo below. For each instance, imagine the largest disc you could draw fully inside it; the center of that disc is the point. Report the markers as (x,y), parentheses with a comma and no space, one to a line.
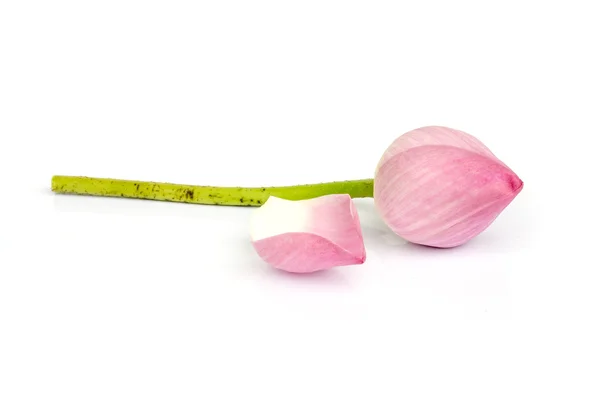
(441,187)
(308,235)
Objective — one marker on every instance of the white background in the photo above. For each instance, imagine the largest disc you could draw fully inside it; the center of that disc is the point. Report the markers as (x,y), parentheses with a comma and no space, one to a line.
(123,301)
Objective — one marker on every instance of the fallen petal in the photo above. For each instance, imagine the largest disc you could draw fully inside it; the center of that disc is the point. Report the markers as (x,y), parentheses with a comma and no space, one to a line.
(308,235)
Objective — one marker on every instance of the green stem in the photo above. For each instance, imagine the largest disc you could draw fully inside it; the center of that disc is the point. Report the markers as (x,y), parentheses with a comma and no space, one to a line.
(205,195)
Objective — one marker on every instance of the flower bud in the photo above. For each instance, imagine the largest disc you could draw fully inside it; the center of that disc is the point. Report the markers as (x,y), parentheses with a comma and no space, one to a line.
(441,187)
(308,235)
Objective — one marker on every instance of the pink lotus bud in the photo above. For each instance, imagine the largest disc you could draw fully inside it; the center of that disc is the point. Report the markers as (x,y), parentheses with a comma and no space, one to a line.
(441,187)
(308,235)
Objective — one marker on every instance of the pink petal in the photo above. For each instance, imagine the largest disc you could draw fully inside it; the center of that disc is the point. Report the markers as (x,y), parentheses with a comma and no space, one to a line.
(308,235)
(444,193)
(432,136)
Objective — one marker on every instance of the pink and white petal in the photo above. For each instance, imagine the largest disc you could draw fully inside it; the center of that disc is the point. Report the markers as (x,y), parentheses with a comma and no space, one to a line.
(309,235)
(334,217)
(435,136)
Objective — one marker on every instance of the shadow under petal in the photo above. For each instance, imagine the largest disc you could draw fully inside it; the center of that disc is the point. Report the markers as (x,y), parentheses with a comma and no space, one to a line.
(332,276)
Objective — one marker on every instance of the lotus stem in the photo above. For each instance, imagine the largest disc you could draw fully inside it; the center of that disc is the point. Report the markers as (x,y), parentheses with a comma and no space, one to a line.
(205,195)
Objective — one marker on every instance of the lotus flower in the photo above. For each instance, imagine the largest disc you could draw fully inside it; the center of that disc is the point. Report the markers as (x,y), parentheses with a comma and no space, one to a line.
(434,186)
(441,187)
(308,235)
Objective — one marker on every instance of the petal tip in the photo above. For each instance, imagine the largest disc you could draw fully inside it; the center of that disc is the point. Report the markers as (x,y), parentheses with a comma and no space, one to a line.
(361,258)
(517,184)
